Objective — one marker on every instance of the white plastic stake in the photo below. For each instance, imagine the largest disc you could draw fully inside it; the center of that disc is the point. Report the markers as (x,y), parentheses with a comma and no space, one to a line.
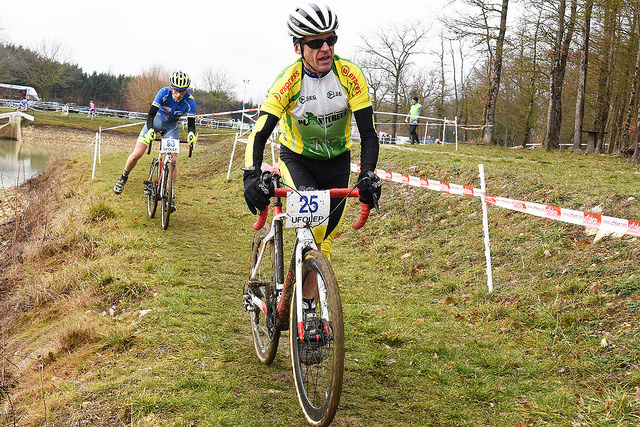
(273,152)
(456,125)
(99,144)
(235,141)
(95,155)
(444,129)
(485,226)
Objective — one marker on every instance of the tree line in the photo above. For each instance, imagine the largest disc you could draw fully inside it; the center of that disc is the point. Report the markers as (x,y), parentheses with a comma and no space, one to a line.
(556,73)
(56,78)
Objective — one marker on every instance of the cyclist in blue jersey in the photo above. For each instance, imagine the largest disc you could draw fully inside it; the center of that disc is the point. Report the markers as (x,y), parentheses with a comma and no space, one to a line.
(171,103)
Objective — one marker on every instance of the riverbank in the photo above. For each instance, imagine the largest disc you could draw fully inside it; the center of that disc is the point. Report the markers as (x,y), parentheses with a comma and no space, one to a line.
(63,142)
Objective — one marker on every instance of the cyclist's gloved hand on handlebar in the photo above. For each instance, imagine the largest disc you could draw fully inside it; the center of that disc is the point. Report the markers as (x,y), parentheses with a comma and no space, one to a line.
(192,138)
(150,136)
(256,193)
(368,189)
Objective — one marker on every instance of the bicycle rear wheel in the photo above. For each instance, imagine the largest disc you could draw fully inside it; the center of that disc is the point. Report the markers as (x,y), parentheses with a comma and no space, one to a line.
(318,359)
(167,194)
(266,335)
(151,189)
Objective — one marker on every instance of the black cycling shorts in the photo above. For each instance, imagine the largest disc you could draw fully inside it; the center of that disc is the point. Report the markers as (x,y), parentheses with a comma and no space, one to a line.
(315,174)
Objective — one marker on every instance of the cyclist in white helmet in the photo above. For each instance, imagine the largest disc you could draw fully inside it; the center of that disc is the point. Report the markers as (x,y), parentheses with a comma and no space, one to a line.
(314,99)
(171,103)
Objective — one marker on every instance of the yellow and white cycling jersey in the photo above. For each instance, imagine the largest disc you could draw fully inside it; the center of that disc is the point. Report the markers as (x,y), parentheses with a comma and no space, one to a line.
(315,110)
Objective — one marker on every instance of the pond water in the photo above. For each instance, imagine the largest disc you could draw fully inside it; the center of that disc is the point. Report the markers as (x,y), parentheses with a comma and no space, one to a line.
(20,162)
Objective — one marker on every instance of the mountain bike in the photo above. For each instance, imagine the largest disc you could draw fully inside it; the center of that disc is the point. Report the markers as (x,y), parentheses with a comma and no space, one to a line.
(159,186)
(275,301)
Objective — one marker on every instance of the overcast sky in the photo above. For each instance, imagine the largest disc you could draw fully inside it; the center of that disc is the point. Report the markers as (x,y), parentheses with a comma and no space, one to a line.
(247,39)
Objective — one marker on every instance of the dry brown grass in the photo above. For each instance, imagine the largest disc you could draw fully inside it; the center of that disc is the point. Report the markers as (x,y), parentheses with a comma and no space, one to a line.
(41,284)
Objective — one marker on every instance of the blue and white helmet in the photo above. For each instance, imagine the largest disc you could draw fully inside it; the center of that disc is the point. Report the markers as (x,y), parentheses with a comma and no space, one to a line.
(311,20)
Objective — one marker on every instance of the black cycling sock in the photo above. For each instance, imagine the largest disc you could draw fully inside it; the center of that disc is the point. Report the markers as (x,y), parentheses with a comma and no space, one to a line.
(125,176)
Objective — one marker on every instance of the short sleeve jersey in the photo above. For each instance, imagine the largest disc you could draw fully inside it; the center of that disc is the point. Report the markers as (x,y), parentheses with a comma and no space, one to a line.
(315,111)
(169,110)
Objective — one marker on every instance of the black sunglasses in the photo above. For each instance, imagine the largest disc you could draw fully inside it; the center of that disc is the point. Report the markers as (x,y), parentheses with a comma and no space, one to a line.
(318,43)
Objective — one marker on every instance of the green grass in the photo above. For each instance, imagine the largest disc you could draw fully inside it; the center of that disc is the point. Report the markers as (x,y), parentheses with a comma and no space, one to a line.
(146,327)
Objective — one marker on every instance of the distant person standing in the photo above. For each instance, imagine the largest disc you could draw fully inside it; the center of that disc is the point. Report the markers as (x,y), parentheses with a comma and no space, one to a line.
(92,109)
(24,104)
(412,118)
(171,103)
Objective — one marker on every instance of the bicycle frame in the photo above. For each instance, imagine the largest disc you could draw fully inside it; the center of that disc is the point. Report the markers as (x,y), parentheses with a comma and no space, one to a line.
(166,163)
(163,160)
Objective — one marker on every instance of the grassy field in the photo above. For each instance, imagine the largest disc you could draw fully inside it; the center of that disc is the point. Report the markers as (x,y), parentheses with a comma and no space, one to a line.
(108,320)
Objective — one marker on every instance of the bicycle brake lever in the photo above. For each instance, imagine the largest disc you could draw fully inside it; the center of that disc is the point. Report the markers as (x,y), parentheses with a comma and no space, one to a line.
(375,203)
(367,181)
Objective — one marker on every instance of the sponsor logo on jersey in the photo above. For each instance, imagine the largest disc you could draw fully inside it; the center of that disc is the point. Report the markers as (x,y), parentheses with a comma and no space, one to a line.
(331,94)
(287,84)
(326,120)
(353,80)
(304,99)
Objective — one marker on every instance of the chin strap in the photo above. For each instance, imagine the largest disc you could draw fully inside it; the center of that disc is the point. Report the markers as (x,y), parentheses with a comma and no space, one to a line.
(306,63)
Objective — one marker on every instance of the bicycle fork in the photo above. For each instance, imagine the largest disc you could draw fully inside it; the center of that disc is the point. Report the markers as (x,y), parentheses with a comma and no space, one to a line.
(304,242)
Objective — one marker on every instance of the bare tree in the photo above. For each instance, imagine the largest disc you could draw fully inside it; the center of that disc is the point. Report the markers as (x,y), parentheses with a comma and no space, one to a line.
(584,66)
(497,74)
(479,24)
(219,86)
(377,80)
(530,65)
(620,144)
(564,34)
(393,47)
(636,153)
(603,92)
(142,88)
(49,66)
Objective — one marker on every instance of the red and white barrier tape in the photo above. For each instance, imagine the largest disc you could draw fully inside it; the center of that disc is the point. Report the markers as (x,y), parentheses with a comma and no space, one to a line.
(124,126)
(429,184)
(607,223)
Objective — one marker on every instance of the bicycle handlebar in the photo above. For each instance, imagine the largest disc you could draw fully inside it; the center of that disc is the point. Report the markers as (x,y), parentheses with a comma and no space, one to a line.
(334,193)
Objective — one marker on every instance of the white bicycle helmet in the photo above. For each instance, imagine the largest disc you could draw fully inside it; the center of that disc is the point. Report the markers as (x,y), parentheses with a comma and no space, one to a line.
(311,20)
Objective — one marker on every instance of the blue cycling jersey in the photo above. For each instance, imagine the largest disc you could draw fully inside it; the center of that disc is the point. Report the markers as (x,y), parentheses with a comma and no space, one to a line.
(169,110)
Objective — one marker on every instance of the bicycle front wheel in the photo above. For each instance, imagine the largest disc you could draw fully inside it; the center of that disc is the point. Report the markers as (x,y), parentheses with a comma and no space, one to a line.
(151,189)
(167,194)
(266,334)
(317,358)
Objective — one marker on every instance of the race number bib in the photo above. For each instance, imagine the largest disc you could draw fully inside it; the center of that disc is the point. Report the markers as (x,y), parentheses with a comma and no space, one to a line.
(308,207)
(169,145)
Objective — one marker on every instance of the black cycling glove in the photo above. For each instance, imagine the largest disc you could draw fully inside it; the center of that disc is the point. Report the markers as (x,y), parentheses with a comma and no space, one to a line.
(369,189)
(256,193)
